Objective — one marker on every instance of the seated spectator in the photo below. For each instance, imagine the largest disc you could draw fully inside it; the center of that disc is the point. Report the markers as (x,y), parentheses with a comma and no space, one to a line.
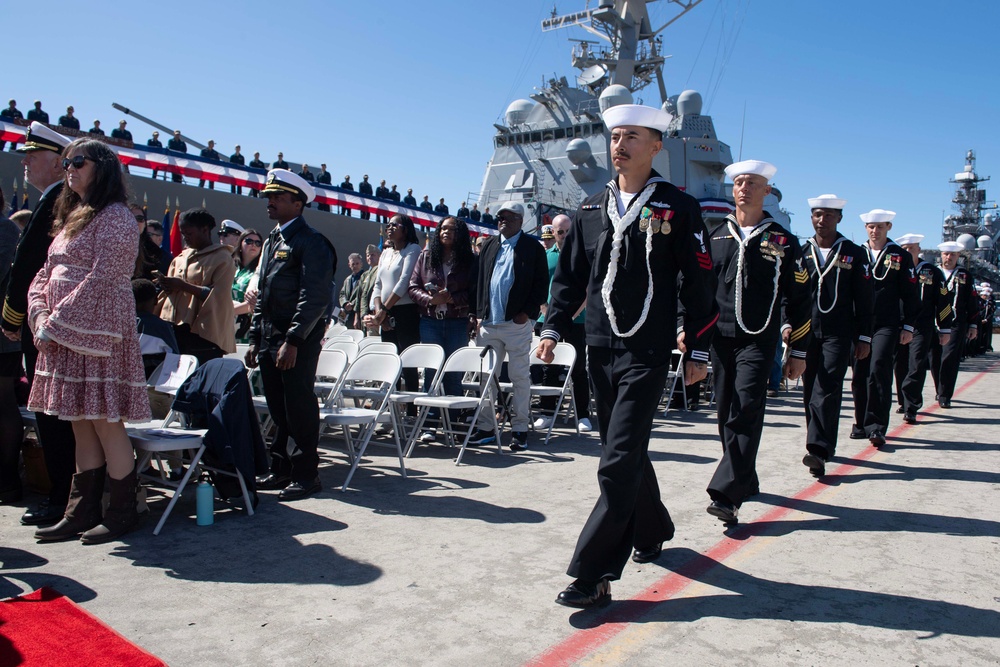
(200,304)
(147,262)
(156,337)
(69,120)
(230,234)
(97,128)
(154,230)
(38,114)
(211,154)
(121,132)
(247,256)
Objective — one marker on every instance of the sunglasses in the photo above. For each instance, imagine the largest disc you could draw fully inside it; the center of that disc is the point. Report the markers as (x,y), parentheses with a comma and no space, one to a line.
(256,242)
(562,232)
(76,161)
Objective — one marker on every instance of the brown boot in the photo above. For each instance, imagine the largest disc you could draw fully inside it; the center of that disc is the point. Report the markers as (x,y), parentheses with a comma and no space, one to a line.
(121,515)
(83,510)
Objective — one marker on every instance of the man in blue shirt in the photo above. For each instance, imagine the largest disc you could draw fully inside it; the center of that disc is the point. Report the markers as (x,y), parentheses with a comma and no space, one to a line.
(512,285)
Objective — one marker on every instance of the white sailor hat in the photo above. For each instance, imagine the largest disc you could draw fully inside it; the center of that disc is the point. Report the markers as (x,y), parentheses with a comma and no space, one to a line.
(636,114)
(877,215)
(41,138)
(951,246)
(282,180)
(756,167)
(827,201)
(907,239)
(230,227)
(512,206)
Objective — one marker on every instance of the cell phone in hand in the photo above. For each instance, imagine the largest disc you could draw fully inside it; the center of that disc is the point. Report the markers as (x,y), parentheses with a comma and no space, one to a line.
(431,288)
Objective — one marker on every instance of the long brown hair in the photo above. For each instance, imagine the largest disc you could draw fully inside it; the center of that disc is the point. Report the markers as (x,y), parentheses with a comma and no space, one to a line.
(73,212)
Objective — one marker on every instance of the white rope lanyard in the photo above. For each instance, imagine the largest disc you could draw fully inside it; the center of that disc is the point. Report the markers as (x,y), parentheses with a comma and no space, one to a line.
(620,224)
(953,286)
(821,274)
(878,260)
(740,265)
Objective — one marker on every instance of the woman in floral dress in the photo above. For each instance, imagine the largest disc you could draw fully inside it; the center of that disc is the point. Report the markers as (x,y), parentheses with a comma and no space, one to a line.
(82,314)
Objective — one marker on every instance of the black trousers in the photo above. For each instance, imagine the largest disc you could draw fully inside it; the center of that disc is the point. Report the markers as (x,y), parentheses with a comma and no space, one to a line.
(912,362)
(945,360)
(742,368)
(294,409)
(872,382)
(54,434)
(552,375)
(823,392)
(405,333)
(629,512)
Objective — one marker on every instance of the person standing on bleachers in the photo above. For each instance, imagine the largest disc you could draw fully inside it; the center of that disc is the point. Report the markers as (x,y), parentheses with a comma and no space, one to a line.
(178,144)
(211,154)
(237,159)
(69,120)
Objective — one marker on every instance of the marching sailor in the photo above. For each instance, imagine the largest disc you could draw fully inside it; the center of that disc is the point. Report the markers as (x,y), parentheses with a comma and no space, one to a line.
(622,257)
(913,360)
(965,305)
(895,286)
(763,296)
(841,316)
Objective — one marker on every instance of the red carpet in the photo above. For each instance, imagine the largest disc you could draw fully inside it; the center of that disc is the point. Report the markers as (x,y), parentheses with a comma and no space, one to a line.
(46,629)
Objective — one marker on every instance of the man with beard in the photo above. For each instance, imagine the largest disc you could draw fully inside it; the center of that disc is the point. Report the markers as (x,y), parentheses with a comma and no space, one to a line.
(43,170)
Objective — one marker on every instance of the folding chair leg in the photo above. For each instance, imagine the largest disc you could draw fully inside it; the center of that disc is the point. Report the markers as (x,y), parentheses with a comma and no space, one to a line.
(180,489)
(246,493)
(412,440)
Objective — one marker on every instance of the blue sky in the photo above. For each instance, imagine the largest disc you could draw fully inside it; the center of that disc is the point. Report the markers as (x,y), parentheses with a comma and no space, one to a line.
(876,102)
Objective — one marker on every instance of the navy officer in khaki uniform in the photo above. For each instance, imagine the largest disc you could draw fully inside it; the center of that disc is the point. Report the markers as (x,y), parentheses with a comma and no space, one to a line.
(622,257)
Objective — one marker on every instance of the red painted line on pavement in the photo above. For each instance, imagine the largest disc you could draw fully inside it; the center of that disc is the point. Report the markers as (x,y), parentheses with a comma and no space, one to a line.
(612,623)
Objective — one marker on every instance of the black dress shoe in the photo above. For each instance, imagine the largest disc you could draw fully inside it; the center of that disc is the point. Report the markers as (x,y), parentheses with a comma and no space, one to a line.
(945,403)
(45,514)
(726,512)
(910,419)
(899,410)
(584,594)
(857,433)
(647,555)
(876,438)
(816,465)
(273,482)
(297,490)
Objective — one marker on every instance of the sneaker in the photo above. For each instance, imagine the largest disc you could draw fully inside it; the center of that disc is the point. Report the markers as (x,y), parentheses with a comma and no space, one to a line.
(584,426)
(482,437)
(428,436)
(518,441)
(542,423)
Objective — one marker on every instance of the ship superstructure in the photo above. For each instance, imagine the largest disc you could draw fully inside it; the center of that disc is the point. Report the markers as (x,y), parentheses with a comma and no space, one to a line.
(972,225)
(551,151)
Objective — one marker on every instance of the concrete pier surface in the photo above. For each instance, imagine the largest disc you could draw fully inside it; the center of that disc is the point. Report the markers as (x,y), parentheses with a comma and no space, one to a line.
(892,558)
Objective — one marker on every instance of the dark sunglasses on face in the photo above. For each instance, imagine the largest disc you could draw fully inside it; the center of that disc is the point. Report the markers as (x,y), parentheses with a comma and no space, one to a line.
(256,242)
(77,162)
(562,232)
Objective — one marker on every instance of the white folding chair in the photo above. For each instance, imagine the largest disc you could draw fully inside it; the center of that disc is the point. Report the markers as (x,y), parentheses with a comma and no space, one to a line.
(349,347)
(422,357)
(372,340)
(481,361)
(335,329)
(565,356)
(378,347)
(675,378)
(357,335)
(330,373)
(378,372)
(172,372)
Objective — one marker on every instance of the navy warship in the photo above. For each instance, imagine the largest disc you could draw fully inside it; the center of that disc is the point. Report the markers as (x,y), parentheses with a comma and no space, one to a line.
(971,225)
(550,152)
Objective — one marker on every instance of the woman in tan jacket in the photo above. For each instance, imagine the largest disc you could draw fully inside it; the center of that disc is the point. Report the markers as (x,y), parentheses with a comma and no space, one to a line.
(197,292)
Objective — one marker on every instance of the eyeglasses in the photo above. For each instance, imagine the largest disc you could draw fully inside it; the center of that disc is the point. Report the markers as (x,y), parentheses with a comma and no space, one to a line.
(393,224)
(256,242)
(76,161)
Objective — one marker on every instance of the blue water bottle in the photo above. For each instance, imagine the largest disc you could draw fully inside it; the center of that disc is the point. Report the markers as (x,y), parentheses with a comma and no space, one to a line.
(206,502)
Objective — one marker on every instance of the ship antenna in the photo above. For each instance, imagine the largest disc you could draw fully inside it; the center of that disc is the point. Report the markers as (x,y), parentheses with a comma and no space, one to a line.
(742,129)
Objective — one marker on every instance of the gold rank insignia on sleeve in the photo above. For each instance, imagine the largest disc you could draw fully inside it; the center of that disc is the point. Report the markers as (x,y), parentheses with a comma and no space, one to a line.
(801,276)
(799,333)
(945,312)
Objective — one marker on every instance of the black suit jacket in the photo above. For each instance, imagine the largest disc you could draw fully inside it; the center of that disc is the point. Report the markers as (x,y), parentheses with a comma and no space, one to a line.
(531,279)
(32,249)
